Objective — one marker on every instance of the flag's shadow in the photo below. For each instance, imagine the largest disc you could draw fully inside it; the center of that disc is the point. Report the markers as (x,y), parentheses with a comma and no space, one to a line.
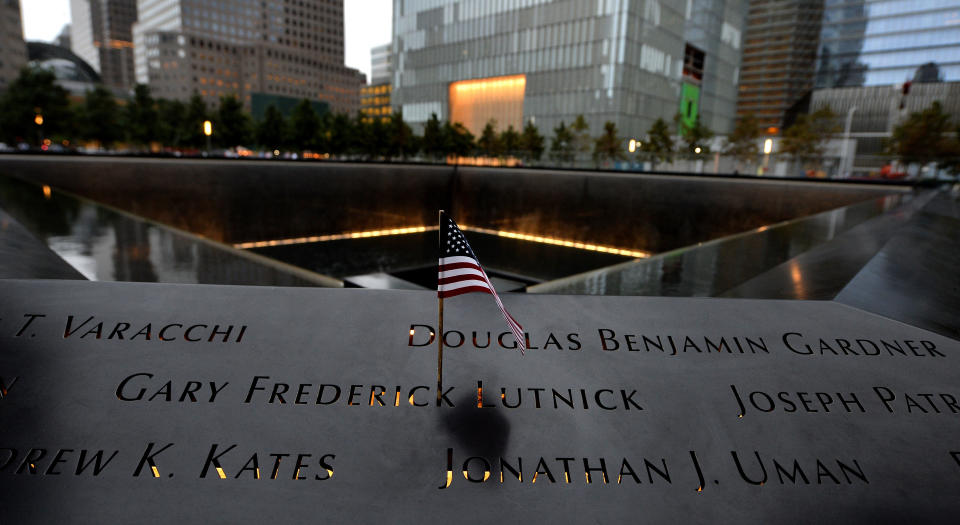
(479,431)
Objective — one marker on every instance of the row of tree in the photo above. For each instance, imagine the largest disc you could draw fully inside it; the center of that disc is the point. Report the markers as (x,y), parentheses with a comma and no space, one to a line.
(34,108)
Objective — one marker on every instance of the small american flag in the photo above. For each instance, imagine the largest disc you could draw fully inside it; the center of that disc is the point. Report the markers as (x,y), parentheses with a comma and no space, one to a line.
(460,273)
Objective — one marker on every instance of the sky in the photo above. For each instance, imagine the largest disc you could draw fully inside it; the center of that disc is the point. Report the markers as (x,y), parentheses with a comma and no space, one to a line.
(367,24)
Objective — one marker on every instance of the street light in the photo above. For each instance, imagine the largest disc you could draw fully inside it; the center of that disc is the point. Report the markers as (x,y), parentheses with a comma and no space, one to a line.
(208,130)
(767,149)
(632,147)
(38,120)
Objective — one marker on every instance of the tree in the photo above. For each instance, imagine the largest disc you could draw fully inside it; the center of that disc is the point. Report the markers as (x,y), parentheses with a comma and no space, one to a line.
(433,141)
(339,134)
(489,143)
(582,142)
(141,117)
(607,146)
(510,142)
(101,119)
(272,130)
(233,126)
(923,138)
(34,93)
(402,141)
(191,132)
(457,140)
(561,145)
(695,136)
(659,145)
(304,126)
(362,139)
(531,142)
(742,142)
(807,137)
(170,127)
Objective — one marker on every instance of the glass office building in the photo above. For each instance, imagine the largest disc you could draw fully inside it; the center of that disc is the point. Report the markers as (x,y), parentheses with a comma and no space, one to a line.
(872,43)
(779,58)
(625,61)
(280,52)
(14,51)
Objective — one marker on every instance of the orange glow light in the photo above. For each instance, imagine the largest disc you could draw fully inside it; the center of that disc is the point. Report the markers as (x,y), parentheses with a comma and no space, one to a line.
(475,102)
(560,242)
(639,254)
(46,192)
(334,237)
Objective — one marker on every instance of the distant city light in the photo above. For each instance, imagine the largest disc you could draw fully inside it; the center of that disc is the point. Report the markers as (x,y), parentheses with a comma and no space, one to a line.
(38,120)
(207,128)
(633,146)
(767,146)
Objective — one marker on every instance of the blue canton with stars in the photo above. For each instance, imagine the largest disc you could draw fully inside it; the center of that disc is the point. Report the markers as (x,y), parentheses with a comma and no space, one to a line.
(452,241)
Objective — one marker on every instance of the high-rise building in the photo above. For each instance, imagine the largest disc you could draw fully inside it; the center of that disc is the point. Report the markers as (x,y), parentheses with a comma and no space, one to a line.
(548,61)
(100,33)
(63,39)
(375,97)
(380,64)
(779,58)
(868,43)
(13,51)
(264,52)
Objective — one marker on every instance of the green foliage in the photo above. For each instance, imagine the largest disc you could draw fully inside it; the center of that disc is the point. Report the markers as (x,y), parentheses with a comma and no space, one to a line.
(695,136)
(339,134)
(489,142)
(433,138)
(457,140)
(304,126)
(531,142)
(141,117)
(562,144)
(923,138)
(233,126)
(659,145)
(742,142)
(272,130)
(375,143)
(607,147)
(170,127)
(101,118)
(34,92)
(582,142)
(402,141)
(510,141)
(807,137)
(191,131)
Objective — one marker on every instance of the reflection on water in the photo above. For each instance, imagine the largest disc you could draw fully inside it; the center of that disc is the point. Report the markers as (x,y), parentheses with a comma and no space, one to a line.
(106,245)
(712,268)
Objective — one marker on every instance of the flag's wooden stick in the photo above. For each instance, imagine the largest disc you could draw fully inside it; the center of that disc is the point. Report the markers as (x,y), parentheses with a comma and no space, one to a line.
(440,355)
(440,321)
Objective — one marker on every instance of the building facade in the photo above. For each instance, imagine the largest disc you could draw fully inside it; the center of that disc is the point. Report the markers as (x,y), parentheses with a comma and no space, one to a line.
(875,110)
(100,34)
(870,43)
(548,61)
(13,50)
(279,50)
(380,64)
(779,58)
(375,101)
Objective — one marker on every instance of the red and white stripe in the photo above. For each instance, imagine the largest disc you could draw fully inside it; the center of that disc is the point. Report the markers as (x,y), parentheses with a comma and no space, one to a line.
(459,275)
